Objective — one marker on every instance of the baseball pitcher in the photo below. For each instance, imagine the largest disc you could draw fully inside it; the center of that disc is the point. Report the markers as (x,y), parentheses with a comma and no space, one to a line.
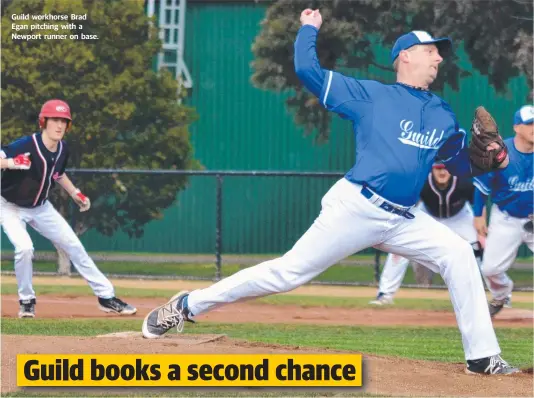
(31,166)
(447,199)
(400,130)
(511,191)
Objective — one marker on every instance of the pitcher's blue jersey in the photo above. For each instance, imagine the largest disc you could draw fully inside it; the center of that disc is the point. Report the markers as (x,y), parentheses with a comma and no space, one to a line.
(510,188)
(400,130)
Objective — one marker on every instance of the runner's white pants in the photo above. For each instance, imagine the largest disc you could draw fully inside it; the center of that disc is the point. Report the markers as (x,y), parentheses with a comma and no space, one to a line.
(49,223)
(349,223)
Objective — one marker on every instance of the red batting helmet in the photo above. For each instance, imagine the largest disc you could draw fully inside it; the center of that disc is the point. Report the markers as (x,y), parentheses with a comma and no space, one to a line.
(55,108)
(438,166)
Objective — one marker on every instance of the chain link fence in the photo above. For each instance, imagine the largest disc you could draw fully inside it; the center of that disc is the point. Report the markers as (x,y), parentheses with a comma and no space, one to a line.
(221,222)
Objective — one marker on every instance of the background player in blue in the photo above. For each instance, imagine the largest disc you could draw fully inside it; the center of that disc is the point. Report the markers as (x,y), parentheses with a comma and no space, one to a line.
(31,167)
(511,191)
(447,199)
(400,130)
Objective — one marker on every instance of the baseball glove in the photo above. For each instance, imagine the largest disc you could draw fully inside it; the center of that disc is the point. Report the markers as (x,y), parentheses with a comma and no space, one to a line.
(484,132)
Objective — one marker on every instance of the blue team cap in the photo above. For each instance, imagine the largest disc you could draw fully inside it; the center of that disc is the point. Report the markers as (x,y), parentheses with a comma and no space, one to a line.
(525,115)
(416,37)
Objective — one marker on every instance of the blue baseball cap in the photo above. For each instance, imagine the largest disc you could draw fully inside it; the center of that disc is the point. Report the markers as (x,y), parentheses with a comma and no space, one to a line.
(416,37)
(525,115)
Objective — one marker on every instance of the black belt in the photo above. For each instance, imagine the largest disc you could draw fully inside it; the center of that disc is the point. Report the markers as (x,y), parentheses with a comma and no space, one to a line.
(379,201)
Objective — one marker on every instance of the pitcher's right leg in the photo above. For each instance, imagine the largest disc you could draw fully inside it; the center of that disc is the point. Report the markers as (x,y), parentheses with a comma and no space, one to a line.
(347,223)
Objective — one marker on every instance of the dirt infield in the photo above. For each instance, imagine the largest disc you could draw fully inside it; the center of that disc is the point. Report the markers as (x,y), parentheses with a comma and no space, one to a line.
(306,290)
(383,375)
(86,307)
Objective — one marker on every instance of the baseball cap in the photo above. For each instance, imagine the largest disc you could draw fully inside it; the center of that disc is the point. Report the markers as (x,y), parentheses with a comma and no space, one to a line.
(525,115)
(416,37)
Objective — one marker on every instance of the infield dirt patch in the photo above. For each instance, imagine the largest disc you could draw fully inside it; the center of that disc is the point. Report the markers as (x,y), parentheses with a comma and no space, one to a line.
(253,312)
(383,375)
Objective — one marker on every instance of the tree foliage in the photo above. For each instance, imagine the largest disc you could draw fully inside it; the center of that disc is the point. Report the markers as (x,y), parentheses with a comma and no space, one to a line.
(496,34)
(125,115)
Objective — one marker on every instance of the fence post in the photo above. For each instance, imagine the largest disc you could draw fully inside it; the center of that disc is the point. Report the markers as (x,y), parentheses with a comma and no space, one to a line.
(73,211)
(64,265)
(218,227)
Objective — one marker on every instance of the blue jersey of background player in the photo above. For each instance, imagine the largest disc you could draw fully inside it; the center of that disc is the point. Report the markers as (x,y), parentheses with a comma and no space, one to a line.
(511,187)
(511,191)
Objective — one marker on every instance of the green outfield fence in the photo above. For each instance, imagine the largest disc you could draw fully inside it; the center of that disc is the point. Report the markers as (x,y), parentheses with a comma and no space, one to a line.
(240,204)
(222,221)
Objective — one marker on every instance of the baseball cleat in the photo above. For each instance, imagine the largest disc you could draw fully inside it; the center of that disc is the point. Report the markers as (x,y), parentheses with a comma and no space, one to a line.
(116,305)
(495,306)
(27,308)
(173,313)
(494,365)
(382,299)
(508,302)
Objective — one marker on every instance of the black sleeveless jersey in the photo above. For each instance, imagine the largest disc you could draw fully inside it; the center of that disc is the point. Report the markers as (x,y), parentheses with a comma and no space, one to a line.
(447,202)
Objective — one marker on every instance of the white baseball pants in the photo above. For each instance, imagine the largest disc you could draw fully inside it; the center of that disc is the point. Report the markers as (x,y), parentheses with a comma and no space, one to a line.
(505,235)
(396,266)
(49,223)
(349,223)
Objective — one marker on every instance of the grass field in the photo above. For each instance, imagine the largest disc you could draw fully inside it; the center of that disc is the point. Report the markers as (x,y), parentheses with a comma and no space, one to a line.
(434,344)
(337,273)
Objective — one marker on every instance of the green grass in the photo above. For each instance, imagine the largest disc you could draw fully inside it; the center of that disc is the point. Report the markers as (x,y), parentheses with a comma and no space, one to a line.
(134,268)
(427,343)
(303,301)
(362,302)
(114,254)
(336,273)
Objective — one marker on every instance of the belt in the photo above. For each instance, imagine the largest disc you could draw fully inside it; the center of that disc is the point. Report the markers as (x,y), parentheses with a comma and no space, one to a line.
(379,201)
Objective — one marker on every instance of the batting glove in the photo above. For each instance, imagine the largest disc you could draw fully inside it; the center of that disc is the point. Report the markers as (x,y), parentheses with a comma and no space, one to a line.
(81,200)
(19,162)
